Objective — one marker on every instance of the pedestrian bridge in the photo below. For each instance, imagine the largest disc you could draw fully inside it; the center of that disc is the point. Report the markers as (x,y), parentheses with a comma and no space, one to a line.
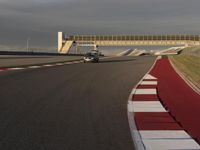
(65,42)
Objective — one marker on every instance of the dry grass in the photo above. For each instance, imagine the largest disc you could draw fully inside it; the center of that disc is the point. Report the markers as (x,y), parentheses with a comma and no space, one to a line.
(189,65)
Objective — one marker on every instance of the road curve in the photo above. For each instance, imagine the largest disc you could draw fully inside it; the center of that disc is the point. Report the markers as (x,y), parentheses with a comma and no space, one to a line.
(71,107)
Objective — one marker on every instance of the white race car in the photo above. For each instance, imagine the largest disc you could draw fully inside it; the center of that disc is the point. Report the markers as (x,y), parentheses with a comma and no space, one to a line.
(91,57)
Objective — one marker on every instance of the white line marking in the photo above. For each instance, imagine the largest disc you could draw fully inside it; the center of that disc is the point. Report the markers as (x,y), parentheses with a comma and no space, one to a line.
(34,67)
(145,91)
(47,65)
(149,83)
(59,64)
(76,61)
(146,103)
(15,68)
(68,63)
(148,76)
(133,91)
(130,108)
(145,106)
(167,144)
(150,109)
(161,134)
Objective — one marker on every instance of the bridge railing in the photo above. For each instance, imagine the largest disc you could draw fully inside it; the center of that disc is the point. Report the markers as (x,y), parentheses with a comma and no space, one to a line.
(134,38)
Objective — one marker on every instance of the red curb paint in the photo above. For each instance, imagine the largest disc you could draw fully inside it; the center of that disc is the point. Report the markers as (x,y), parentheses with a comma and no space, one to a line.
(145,98)
(150,80)
(3,69)
(182,101)
(155,121)
(146,86)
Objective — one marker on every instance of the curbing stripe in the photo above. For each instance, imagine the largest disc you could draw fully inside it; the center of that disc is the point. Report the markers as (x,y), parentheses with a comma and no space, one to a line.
(167,144)
(59,64)
(39,66)
(152,127)
(149,83)
(34,67)
(47,65)
(149,77)
(164,134)
(14,69)
(145,92)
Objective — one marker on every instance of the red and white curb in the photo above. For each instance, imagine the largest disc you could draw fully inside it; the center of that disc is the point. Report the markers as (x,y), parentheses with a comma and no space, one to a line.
(40,66)
(46,65)
(152,126)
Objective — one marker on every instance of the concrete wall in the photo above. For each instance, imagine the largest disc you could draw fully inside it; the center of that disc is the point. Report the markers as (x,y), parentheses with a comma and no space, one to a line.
(66,47)
(60,41)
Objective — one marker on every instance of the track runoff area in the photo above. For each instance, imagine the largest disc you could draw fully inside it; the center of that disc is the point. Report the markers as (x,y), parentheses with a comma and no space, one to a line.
(164,111)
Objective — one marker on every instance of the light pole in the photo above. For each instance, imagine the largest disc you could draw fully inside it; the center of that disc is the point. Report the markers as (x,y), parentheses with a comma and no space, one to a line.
(27,44)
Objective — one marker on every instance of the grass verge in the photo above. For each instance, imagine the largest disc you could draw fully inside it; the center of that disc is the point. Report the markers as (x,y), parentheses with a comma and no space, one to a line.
(189,66)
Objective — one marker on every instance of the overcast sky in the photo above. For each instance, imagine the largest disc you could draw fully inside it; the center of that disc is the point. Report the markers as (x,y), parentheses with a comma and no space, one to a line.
(41,19)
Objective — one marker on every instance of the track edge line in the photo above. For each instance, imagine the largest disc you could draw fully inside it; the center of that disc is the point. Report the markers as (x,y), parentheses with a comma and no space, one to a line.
(136,137)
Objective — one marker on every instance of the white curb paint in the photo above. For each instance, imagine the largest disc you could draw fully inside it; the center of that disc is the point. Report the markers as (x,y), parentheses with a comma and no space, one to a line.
(39,66)
(34,67)
(146,106)
(149,77)
(161,134)
(149,83)
(145,91)
(15,69)
(60,64)
(47,65)
(146,103)
(168,139)
(171,144)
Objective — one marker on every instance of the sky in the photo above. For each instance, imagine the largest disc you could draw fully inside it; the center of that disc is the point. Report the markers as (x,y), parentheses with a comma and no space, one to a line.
(40,20)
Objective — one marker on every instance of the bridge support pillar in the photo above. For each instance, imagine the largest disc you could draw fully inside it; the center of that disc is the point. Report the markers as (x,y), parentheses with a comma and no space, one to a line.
(60,41)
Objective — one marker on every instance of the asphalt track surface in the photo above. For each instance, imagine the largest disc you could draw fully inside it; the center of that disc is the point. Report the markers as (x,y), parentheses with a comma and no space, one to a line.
(12,61)
(71,107)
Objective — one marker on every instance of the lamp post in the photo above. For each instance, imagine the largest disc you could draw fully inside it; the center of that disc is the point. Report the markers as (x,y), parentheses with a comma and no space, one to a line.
(27,44)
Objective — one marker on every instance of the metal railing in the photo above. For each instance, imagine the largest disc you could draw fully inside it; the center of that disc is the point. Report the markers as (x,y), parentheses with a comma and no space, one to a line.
(134,38)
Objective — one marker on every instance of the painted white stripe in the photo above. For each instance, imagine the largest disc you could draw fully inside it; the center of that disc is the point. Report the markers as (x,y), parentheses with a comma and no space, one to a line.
(147,103)
(47,65)
(130,106)
(171,144)
(145,91)
(164,134)
(68,63)
(149,83)
(16,68)
(151,109)
(76,61)
(59,64)
(145,106)
(133,91)
(72,62)
(149,77)
(34,67)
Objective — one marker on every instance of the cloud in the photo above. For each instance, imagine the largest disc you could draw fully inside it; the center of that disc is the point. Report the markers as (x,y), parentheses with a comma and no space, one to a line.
(41,19)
